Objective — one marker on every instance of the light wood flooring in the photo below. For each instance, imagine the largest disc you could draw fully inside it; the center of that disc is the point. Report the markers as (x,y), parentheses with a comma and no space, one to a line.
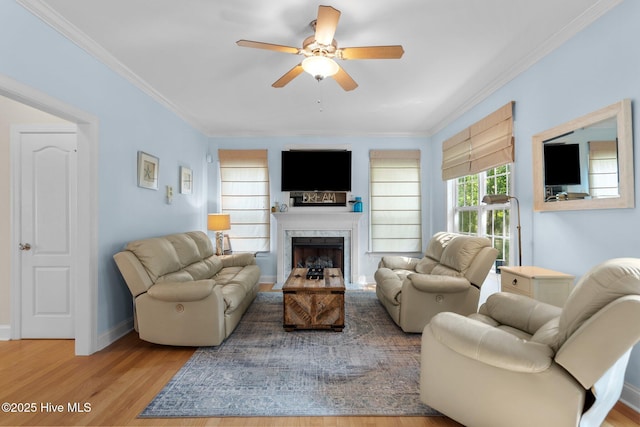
(118,382)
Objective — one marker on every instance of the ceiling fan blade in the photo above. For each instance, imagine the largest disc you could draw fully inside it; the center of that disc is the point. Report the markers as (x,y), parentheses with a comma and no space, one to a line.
(268,46)
(344,80)
(372,52)
(326,24)
(288,76)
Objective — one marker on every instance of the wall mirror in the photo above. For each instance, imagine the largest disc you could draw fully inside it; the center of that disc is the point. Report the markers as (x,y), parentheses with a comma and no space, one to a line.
(586,163)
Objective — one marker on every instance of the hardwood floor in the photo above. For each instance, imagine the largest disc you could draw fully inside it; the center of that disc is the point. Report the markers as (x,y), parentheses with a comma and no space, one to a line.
(114,385)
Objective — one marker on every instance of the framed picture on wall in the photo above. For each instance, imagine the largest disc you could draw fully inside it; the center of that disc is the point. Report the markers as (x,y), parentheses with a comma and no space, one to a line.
(148,167)
(186,180)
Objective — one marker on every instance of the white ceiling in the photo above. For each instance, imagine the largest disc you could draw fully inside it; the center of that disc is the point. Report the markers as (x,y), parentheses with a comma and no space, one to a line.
(183,53)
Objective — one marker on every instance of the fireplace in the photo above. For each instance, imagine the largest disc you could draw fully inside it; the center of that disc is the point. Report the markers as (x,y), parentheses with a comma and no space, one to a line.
(317,252)
(317,223)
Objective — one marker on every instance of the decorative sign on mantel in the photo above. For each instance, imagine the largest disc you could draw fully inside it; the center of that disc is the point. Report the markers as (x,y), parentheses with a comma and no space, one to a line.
(319,198)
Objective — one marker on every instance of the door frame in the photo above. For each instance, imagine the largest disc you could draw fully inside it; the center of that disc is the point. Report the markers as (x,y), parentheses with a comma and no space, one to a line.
(86,290)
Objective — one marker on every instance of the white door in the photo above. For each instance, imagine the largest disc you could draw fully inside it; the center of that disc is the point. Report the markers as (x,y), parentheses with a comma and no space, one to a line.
(48,230)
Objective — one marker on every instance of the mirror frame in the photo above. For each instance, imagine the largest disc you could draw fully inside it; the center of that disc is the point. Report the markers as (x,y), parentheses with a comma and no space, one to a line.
(622,112)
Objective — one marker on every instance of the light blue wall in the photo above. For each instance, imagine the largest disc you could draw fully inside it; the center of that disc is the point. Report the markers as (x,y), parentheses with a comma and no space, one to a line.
(37,56)
(360,147)
(596,68)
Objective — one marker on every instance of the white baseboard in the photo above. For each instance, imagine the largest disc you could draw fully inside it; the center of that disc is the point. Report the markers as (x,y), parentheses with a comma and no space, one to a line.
(114,334)
(267,279)
(631,397)
(5,332)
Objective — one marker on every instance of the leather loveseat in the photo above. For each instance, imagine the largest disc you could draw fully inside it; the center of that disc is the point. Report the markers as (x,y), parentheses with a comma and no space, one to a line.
(447,278)
(183,294)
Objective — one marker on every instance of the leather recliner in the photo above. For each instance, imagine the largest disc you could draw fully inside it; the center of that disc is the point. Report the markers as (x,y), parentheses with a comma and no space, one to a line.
(447,278)
(521,362)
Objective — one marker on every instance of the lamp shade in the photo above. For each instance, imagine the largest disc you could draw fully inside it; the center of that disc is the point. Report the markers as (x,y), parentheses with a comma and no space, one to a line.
(320,66)
(492,199)
(218,222)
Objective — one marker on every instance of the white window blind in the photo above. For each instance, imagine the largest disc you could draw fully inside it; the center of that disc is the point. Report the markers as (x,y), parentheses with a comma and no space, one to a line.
(244,178)
(396,218)
(603,169)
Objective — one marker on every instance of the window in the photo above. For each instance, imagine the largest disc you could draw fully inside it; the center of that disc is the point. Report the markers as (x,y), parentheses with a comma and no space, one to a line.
(244,179)
(470,216)
(396,217)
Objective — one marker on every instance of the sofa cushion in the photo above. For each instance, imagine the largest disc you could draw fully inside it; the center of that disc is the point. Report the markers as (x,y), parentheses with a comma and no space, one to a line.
(443,270)
(246,277)
(157,255)
(460,252)
(438,243)
(425,265)
(204,269)
(176,277)
(205,247)
(185,247)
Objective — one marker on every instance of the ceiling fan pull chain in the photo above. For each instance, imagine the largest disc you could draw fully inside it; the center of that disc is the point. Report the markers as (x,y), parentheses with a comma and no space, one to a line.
(320,100)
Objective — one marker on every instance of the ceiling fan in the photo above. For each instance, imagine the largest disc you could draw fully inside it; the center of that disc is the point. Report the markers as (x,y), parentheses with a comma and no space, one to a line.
(321,49)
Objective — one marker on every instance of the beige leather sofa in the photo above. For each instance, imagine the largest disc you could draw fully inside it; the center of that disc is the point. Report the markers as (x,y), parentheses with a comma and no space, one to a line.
(520,362)
(448,278)
(183,294)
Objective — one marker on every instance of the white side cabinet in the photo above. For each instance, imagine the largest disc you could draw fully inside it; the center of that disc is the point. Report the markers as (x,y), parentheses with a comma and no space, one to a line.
(538,283)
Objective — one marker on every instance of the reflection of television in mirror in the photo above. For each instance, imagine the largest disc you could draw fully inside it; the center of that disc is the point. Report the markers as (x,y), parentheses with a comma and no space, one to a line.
(562,164)
(316,170)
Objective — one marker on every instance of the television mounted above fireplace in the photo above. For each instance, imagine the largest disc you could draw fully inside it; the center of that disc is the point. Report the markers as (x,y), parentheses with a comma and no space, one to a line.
(316,170)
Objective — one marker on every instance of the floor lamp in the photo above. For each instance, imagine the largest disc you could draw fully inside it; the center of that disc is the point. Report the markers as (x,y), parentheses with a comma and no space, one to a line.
(492,199)
(219,223)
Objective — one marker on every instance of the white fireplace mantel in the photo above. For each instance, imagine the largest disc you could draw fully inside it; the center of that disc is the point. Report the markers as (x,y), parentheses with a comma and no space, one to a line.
(318,224)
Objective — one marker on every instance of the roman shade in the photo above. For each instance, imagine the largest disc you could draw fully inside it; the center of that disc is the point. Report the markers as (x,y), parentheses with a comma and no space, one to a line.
(244,178)
(396,224)
(486,144)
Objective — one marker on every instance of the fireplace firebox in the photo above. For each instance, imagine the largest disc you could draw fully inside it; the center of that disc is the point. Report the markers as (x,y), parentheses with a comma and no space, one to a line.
(317,252)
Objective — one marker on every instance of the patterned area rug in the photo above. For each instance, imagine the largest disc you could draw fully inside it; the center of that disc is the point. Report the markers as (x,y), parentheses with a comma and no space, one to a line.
(370,368)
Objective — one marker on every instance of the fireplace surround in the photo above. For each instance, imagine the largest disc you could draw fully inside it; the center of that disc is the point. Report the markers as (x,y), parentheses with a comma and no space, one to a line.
(318,224)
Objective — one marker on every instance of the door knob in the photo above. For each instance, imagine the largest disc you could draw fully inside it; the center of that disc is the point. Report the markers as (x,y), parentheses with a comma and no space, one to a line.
(24,247)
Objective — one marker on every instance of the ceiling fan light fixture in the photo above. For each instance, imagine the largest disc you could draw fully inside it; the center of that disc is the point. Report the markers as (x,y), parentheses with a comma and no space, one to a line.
(320,66)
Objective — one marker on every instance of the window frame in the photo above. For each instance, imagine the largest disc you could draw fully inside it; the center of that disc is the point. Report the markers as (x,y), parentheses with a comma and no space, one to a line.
(502,242)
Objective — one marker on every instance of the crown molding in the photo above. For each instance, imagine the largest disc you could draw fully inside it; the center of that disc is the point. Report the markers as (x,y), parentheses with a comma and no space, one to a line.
(56,21)
(558,39)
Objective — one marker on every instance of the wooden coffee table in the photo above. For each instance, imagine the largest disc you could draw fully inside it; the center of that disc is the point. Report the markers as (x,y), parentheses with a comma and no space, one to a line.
(314,303)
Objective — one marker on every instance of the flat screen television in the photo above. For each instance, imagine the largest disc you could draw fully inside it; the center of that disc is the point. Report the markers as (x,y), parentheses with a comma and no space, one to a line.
(562,164)
(316,170)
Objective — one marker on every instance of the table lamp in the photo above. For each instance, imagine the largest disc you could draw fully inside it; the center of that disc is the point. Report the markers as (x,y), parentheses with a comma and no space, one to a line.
(219,223)
(492,199)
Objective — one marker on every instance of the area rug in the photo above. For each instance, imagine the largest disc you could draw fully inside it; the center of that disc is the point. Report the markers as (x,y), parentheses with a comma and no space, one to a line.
(370,368)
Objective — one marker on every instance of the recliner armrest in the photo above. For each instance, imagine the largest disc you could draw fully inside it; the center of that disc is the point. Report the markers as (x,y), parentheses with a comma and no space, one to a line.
(395,262)
(238,260)
(433,283)
(519,311)
(182,291)
(489,345)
